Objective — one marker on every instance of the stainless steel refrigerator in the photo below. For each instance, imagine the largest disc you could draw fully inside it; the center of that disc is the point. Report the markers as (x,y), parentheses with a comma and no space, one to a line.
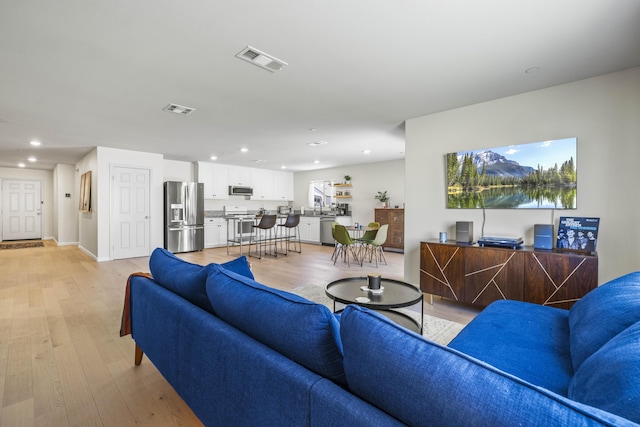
(183,216)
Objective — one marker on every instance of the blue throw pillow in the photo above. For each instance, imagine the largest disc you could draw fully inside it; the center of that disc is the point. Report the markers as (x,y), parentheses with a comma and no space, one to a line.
(304,331)
(186,279)
(602,314)
(610,378)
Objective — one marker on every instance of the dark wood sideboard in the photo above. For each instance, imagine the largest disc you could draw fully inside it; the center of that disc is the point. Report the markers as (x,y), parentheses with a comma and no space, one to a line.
(395,236)
(480,275)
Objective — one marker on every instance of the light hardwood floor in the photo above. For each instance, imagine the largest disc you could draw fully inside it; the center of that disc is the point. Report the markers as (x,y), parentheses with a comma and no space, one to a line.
(62,362)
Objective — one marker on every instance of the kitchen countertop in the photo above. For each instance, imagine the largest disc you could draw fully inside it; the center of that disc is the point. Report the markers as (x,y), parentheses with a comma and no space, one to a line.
(220,214)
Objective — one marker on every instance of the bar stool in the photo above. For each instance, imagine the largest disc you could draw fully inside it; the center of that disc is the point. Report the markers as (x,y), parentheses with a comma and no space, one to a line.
(291,225)
(264,228)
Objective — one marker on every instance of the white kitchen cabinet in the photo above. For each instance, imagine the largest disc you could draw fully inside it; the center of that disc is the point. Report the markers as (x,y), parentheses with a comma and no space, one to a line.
(205,176)
(215,179)
(262,183)
(267,185)
(310,229)
(239,175)
(283,186)
(215,232)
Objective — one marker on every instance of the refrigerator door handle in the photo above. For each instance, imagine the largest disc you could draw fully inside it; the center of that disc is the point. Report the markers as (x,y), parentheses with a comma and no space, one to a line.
(187,227)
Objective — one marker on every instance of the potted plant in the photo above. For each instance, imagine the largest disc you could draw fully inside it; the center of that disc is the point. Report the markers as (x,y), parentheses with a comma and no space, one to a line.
(347,179)
(384,199)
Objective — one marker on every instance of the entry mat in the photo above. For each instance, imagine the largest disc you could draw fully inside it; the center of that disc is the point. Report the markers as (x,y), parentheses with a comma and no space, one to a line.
(20,245)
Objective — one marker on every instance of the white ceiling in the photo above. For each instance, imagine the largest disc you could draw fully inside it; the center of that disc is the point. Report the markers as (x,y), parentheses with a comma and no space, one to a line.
(80,74)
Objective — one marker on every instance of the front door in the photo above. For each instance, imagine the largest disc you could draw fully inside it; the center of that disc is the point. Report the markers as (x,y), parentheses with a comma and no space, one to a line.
(130,212)
(21,210)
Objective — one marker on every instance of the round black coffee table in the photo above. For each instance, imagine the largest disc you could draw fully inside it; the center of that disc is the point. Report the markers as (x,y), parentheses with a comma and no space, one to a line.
(393,294)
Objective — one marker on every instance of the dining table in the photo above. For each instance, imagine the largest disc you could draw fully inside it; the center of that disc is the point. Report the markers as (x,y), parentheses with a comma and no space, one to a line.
(358,232)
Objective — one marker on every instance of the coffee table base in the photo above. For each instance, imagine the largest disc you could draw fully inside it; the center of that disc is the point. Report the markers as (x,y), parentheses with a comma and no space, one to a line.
(399,318)
(393,295)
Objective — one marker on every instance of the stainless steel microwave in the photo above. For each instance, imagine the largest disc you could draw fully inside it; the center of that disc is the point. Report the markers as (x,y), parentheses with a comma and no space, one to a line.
(237,190)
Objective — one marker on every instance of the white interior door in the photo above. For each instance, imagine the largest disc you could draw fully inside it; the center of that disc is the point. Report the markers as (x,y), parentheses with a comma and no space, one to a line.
(21,210)
(130,212)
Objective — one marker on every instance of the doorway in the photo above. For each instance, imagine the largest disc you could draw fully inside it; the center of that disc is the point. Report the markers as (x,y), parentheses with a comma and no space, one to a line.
(21,210)
(129,212)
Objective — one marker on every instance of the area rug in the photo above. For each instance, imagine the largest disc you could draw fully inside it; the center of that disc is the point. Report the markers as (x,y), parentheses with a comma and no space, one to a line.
(21,245)
(433,328)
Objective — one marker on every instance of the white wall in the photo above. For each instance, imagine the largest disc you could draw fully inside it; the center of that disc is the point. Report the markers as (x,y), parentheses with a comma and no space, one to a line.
(108,157)
(88,221)
(65,210)
(367,179)
(602,112)
(45,177)
(175,170)
(95,226)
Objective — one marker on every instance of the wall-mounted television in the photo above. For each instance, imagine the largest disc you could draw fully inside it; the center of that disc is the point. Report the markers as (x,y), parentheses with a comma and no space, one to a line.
(538,175)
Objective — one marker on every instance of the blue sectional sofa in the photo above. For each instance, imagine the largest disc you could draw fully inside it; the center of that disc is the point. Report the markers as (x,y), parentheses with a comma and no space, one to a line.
(240,353)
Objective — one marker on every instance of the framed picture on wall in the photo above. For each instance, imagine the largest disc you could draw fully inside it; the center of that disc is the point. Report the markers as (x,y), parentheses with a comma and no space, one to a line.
(85,192)
(537,175)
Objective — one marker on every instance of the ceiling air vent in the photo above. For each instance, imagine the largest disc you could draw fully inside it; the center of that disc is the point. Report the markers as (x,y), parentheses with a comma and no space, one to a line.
(179,109)
(261,59)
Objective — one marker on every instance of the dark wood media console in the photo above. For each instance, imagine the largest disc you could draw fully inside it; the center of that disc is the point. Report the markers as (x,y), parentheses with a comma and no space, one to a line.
(480,275)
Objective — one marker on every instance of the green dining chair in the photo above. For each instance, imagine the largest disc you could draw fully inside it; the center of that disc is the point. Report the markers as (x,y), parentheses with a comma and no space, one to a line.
(374,249)
(369,235)
(347,245)
(335,242)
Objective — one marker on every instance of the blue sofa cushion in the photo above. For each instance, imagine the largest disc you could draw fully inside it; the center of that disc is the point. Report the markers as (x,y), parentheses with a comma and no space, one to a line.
(420,382)
(527,340)
(304,331)
(189,280)
(602,314)
(610,378)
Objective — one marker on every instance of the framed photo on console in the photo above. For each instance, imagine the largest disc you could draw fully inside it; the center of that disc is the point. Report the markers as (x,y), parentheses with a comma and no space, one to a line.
(578,233)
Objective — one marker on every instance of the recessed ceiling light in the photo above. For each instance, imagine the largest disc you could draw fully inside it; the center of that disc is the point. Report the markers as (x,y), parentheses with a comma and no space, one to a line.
(366,151)
(21,165)
(244,149)
(32,159)
(316,143)
(316,161)
(283,167)
(214,157)
(259,161)
(35,143)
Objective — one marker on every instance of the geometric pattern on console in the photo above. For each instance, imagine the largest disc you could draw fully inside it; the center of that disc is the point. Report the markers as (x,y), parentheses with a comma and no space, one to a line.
(559,284)
(441,271)
(492,275)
